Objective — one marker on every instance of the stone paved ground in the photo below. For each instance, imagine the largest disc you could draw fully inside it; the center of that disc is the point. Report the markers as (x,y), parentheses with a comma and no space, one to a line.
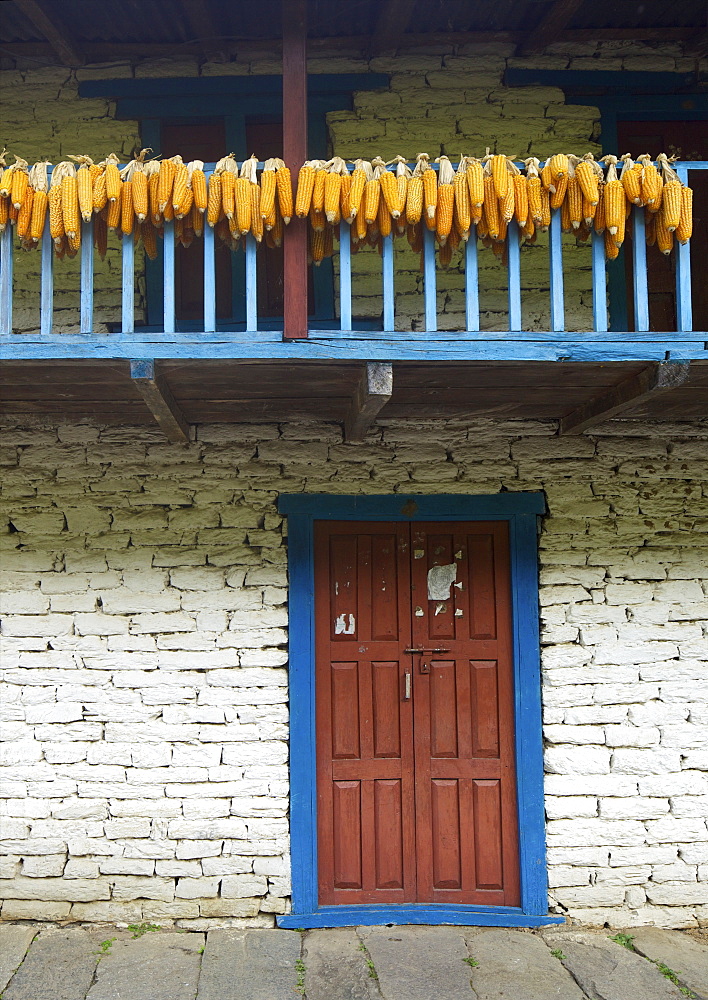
(41,962)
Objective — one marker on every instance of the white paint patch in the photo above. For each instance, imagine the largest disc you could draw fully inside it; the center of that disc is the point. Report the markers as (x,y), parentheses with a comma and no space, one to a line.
(440,580)
(419,612)
(440,608)
(418,553)
(342,627)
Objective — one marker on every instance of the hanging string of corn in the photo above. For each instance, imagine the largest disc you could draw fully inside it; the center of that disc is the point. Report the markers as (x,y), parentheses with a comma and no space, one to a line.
(376,198)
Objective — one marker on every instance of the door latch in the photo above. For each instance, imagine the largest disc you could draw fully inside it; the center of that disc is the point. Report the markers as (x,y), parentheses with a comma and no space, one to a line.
(407,686)
(427,649)
(424,667)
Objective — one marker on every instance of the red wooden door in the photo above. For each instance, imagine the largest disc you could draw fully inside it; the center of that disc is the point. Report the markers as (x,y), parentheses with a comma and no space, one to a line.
(415,751)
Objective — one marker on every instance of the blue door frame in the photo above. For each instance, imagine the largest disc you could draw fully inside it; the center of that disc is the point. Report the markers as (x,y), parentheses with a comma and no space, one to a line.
(520,511)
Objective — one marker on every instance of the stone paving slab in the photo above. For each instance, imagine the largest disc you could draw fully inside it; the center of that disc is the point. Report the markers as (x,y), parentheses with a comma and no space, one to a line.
(605,970)
(249,965)
(59,966)
(517,966)
(687,957)
(336,967)
(158,966)
(15,939)
(419,963)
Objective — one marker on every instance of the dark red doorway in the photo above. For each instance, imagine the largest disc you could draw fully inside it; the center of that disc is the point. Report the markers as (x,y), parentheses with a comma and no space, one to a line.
(415,750)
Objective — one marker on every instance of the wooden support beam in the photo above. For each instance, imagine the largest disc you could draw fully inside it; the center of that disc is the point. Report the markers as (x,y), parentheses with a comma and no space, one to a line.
(625,396)
(52,29)
(160,401)
(204,30)
(372,393)
(391,24)
(550,26)
(295,154)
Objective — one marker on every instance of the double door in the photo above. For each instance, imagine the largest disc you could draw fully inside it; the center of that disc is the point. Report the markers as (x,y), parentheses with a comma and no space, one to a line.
(416,789)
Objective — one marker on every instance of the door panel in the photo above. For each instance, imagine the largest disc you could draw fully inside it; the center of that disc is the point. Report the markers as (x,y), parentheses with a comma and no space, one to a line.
(416,783)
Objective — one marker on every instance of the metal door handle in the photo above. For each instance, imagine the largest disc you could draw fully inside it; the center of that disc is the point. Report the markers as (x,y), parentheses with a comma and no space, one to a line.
(407,686)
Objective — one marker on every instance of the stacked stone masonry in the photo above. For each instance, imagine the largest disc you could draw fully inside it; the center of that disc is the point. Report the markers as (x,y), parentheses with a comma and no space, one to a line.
(440,99)
(144,662)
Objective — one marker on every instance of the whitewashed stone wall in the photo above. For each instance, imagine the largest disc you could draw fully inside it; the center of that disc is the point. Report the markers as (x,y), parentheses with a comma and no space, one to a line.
(144,699)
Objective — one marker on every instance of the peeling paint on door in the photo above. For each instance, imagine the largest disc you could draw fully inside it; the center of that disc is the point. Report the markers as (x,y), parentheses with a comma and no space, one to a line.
(342,627)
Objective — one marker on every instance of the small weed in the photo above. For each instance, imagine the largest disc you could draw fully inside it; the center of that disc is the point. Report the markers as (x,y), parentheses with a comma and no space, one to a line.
(472,962)
(672,977)
(300,969)
(558,953)
(104,947)
(373,974)
(362,946)
(137,930)
(625,940)
(200,951)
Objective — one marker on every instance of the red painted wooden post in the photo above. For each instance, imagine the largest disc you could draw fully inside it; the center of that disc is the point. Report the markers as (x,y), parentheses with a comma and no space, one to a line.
(294,154)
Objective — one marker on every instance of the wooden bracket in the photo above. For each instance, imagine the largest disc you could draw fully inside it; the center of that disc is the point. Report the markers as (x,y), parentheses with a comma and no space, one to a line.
(625,396)
(372,393)
(160,401)
(550,27)
(52,29)
(393,19)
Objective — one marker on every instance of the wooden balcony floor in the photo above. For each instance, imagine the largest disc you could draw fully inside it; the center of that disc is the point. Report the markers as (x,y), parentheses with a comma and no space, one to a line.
(274,391)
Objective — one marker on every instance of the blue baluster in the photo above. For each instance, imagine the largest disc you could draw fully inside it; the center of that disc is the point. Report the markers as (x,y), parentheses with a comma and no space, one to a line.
(47,282)
(345,276)
(251,285)
(86,277)
(684,307)
(168,262)
(599,283)
(6,264)
(514,271)
(388,301)
(128,255)
(556,245)
(209,279)
(639,265)
(429,283)
(471,283)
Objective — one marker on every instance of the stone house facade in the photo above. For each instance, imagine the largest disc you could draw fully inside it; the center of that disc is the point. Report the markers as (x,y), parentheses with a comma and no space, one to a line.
(145,630)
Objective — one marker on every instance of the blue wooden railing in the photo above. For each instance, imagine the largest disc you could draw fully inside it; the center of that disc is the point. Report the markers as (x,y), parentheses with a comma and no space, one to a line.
(347,327)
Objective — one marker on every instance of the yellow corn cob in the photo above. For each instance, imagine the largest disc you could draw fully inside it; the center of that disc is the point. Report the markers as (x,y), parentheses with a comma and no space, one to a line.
(651,184)
(574,198)
(545,209)
(185,206)
(149,238)
(389,192)
(18,183)
(277,230)
(566,224)
(70,206)
(100,194)
(345,186)
(127,213)
(24,215)
(318,189)
(372,194)
(4,213)
(383,218)
(153,197)
(305,188)
(214,200)
(445,199)
(500,174)
(533,187)
(529,228)
(684,230)
(332,194)
(165,184)
(268,189)
(631,180)
(588,179)
(141,200)
(491,207)
(503,226)
(445,255)
(611,248)
(561,185)
(113,214)
(317,220)
(112,178)
(521,199)
(284,187)
(430,193)
(664,236)
(243,204)
(475,182)
(228,193)
(84,187)
(179,186)
(39,212)
(671,204)
(414,200)
(403,175)
(360,223)
(614,205)
(599,220)
(356,192)
(506,204)
(199,189)
(56,218)
(73,245)
(619,235)
(559,166)
(547,176)
(256,217)
(196,220)
(588,211)
(454,238)
(317,246)
(5,179)
(462,214)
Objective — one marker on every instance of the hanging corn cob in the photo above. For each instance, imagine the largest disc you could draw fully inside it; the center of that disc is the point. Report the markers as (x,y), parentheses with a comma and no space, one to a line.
(462,213)
(445,200)
(39,183)
(651,184)
(336,169)
(414,196)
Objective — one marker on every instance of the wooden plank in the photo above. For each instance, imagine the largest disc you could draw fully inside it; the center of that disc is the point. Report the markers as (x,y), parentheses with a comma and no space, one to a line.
(345,277)
(52,29)
(388,295)
(46,295)
(86,322)
(639,271)
(471,283)
(168,265)
(684,305)
(555,237)
(251,285)
(550,26)
(6,269)
(160,401)
(429,282)
(372,393)
(599,284)
(294,14)
(393,19)
(514,272)
(625,396)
